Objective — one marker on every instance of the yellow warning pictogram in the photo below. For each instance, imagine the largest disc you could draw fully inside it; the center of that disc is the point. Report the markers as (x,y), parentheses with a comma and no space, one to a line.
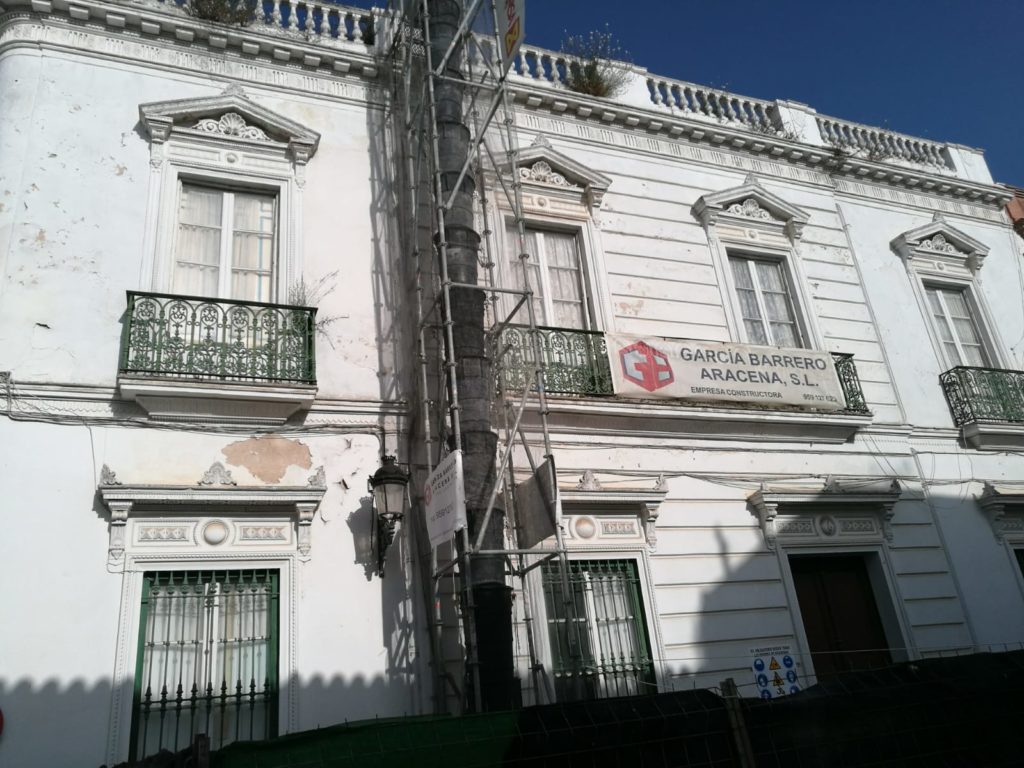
(777,682)
(774,665)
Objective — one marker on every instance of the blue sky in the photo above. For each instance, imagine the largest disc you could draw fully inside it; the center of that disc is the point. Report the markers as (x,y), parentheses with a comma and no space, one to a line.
(949,70)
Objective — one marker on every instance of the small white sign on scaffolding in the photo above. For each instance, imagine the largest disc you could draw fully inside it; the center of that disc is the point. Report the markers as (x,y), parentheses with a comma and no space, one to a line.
(444,496)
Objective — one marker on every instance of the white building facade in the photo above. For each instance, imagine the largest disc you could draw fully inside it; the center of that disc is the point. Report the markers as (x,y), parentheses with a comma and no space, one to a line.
(186,442)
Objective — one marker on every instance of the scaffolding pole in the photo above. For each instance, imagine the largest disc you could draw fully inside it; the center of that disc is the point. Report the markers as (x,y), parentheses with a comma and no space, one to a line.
(434,306)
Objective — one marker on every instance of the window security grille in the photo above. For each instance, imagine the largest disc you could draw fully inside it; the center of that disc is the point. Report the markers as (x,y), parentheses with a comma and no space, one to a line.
(207,660)
(598,635)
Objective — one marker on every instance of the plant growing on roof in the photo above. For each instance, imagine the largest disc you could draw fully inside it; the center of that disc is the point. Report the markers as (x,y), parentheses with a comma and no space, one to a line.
(597,65)
(240,12)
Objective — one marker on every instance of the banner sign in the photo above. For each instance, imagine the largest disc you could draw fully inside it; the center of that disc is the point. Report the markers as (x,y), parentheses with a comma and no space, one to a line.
(537,505)
(444,495)
(709,371)
(511,29)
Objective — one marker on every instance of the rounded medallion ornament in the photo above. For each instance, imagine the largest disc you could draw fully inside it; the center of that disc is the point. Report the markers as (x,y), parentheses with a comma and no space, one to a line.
(585,527)
(827,525)
(215,533)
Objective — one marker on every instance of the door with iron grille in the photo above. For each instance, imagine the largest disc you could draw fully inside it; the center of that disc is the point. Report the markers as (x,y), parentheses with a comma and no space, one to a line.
(598,630)
(207,661)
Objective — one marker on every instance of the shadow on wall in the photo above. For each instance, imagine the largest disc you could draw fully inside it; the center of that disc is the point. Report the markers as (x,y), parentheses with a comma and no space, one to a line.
(861,605)
(48,724)
(395,364)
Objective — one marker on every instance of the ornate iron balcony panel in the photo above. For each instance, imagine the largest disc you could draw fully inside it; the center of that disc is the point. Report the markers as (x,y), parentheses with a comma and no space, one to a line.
(194,337)
(984,395)
(850,382)
(575,362)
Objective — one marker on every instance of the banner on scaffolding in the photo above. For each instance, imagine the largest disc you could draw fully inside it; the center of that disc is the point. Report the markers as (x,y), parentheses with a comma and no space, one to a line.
(444,495)
(537,505)
(511,29)
(711,371)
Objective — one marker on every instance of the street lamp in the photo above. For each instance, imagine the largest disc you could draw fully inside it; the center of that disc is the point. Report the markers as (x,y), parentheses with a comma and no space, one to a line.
(387,485)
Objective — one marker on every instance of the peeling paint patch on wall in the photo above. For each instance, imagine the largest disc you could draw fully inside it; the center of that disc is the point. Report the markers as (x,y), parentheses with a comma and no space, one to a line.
(268,458)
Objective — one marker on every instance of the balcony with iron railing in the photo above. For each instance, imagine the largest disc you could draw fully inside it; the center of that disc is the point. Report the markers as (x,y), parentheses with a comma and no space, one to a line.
(575,362)
(987,404)
(217,351)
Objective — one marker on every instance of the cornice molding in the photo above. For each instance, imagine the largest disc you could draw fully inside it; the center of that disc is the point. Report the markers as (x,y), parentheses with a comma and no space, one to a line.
(563,104)
(153,25)
(615,418)
(102,404)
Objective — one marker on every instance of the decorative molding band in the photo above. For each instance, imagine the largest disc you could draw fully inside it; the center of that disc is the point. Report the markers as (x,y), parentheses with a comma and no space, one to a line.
(567,114)
(101,404)
(189,505)
(643,505)
(928,202)
(1003,504)
(290,74)
(231,124)
(832,512)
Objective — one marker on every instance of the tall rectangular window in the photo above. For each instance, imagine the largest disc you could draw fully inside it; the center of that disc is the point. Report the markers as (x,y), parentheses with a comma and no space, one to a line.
(765,302)
(951,315)
(207,660)
(597,630)
(555,273)
(225,244)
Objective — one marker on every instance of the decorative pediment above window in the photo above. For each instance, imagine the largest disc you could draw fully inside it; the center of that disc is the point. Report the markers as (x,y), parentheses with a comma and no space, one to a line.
(750,204)
(232,116)
(214,517)
(1003,503)
(542,166)
(940,246)
(598,517)
(829,512)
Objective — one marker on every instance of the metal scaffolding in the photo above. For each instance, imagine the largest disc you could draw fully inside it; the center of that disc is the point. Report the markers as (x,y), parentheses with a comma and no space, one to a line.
(423,208)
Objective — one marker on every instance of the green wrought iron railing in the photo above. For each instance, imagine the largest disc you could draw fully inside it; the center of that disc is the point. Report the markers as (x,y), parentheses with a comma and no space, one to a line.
(984,395)
(598,631)
(850,382)
(207,659)
(195,337)
(575,362)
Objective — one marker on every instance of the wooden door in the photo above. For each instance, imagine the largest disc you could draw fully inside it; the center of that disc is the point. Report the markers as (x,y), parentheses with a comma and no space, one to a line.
(840,614)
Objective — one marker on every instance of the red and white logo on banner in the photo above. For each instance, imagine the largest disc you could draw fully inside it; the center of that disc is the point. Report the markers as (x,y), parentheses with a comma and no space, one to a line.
(646,366)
